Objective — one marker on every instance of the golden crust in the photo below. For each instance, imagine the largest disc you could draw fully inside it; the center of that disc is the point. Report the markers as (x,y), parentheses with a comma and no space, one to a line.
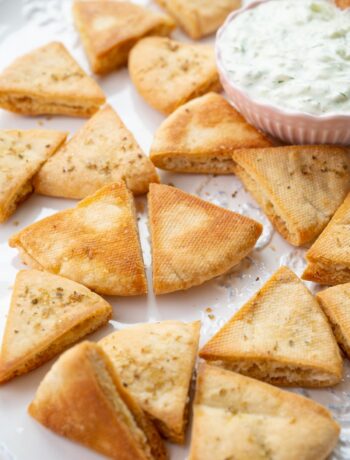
(343,3)
(82,399)
(329,257)
(200,137)
(96,243)
(22,153)
(103,151)
(48,313)
(299,349)
(193,240)
(110,29)
(241,418)
(155,362)
(49,81)
(168,73)
(199,17)
(298,187)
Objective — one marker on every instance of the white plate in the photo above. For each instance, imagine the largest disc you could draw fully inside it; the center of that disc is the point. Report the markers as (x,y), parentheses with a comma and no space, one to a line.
(24,25)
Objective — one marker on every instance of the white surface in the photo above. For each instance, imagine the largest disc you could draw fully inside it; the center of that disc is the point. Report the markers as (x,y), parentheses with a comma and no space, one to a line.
(25,24)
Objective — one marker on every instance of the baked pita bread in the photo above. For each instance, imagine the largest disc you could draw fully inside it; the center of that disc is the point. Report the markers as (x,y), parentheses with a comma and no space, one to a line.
(49,81)
(48,313)
(110,29)
(199,17)
(168,73)
(200,137)
(96,243)
(281,336)
(298,187)
(192,240)
(22,153)
(155,363)
(239,418)
(82,398)
(103,151)
(329,257)
(343,3)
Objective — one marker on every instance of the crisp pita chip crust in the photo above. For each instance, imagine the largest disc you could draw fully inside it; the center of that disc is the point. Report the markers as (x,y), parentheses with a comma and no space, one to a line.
(343,3)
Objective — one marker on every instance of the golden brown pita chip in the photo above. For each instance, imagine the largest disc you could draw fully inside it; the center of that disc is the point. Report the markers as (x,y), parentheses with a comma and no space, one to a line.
(199,17)
(103,151)
(240,418)
(96,243)
(192,240)
(329,257)
(22,153)
(343,3)
(298,187)
(48,313)
(168,73)
(110,29)
(49,81)
(200,137)
(82,398)
(155,362)
(281,336)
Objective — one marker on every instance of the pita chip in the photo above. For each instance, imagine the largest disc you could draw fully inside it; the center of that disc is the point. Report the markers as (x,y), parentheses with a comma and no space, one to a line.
(280,335)
(298,187)
(155,363)
(343,3)
(48,313)
(22,153)
(49,81)
(82,399)
(167,73)
(95,244)
(236,417)
(200,137)
(192,240)
(103,151)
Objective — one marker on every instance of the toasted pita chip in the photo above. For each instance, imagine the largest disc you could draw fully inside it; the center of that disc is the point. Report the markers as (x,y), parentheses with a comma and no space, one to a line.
(281,336)
(329,257)
(49,81)
(343,3)
(192,240)
(200,137)
(103,151)
(168,73)
(82,398)
(199,17)
(155,362)
(22,153)
(48,313)
(110,29)
(298,187)
(239,418)
(96,243)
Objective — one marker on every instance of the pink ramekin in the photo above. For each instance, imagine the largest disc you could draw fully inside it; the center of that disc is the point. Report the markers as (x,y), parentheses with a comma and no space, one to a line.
(290,126)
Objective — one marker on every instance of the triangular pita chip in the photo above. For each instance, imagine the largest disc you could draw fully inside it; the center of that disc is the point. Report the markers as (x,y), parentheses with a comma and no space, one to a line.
(199,17)
(48,313)
(103,151)
(82,398)
(335,302)
(200,137)
(109,30)
(236,417)
(155,362)
(192,240)
(96,243)
(49,81)
(22,153)
(329,257)
(298,187)
(281,336)
(168,73)
(343,3)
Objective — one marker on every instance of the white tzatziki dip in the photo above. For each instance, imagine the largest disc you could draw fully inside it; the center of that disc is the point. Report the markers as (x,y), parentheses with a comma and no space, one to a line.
(294,54)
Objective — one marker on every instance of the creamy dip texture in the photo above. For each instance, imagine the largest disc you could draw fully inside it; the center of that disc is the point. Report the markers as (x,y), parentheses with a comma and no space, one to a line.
(292,53)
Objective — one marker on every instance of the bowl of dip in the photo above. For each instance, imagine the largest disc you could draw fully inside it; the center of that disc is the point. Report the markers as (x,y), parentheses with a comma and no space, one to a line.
(285,65)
